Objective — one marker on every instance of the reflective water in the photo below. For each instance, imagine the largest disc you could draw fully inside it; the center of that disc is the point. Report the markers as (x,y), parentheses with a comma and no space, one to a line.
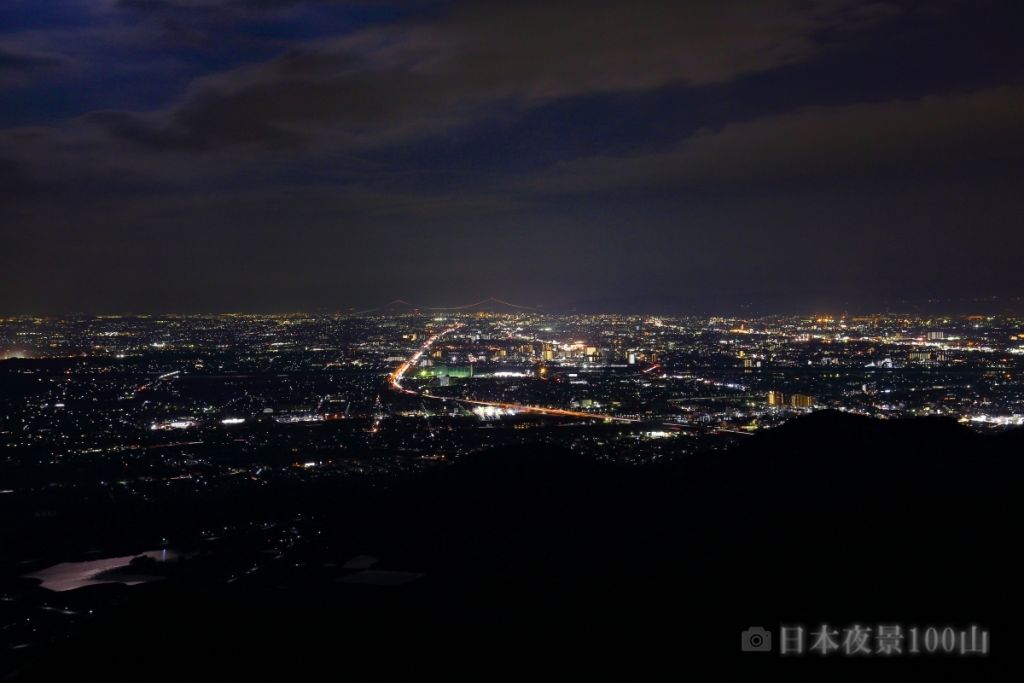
(68,576)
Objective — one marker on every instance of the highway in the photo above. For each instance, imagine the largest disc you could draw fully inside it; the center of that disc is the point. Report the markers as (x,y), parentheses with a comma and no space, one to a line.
(396,377)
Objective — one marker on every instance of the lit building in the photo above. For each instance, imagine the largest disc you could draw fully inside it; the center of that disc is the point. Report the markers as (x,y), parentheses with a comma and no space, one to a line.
(460,371)
(801,401)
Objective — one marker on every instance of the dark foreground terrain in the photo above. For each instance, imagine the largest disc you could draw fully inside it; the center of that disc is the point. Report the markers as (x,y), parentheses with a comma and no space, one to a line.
(545,564)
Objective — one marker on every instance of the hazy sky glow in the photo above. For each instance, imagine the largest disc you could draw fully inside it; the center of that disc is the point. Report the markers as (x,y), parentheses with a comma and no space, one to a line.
(210,155)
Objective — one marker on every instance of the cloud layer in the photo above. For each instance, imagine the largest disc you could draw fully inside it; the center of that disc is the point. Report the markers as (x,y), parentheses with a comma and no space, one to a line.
(248,154)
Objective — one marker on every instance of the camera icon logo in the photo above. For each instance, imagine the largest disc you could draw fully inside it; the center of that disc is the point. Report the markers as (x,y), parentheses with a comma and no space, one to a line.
(756,639)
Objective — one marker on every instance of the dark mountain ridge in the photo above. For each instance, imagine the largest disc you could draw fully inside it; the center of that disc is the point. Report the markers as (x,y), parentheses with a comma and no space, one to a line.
(543,560)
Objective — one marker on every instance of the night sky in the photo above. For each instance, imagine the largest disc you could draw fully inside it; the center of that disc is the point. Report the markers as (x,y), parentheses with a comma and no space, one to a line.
(277,155)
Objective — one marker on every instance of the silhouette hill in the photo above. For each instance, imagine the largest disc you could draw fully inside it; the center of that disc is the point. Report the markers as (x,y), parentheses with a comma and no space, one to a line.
(547,562)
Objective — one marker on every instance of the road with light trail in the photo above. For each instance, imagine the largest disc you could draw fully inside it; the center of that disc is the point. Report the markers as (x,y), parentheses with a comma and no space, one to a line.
(396,377)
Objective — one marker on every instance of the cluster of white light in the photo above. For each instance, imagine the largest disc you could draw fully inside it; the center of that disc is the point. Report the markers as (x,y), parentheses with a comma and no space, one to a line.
(173,424)
(1015,420)
(492,412)
(304,417)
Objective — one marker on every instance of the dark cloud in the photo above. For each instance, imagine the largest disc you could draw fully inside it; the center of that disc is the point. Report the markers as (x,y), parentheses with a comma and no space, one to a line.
(554,152)
(423,77)
(10,59)
(248,5)
(17,67)
(935,133)
(199,22)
